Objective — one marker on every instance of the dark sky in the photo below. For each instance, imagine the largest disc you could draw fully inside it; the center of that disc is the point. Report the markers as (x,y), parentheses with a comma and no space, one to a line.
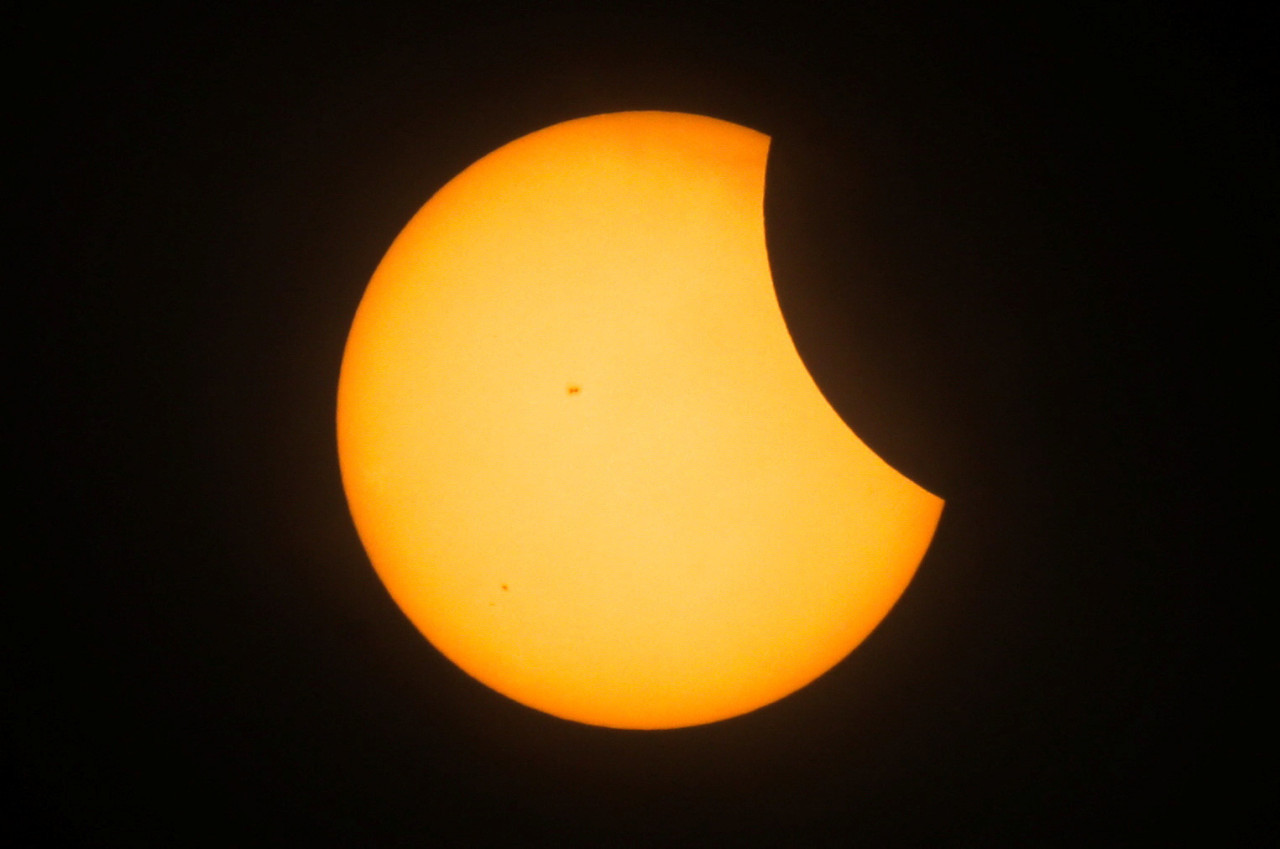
(1018,250)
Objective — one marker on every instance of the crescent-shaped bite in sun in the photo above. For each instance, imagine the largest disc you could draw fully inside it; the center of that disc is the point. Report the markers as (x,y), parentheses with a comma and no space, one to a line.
(582,452)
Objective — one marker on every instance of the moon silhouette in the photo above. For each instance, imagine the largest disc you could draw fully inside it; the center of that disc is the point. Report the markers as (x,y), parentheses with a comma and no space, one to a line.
(582,452)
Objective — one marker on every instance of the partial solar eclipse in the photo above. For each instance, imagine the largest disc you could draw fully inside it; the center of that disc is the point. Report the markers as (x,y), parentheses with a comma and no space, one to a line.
(582,452)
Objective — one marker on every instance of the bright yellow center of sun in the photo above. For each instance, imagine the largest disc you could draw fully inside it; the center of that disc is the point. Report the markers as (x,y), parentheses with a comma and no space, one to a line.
(580,447)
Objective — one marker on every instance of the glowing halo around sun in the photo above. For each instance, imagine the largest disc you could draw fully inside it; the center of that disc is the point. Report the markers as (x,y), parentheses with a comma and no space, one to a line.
(582,452)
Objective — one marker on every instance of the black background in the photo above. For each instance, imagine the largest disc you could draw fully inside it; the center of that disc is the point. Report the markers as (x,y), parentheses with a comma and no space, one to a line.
(1018,249)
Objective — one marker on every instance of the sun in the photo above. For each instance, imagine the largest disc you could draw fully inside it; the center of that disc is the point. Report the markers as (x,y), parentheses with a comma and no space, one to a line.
(581,450)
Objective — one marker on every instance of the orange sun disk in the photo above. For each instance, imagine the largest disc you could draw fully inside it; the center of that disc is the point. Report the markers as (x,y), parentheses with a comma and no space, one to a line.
(582,452)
